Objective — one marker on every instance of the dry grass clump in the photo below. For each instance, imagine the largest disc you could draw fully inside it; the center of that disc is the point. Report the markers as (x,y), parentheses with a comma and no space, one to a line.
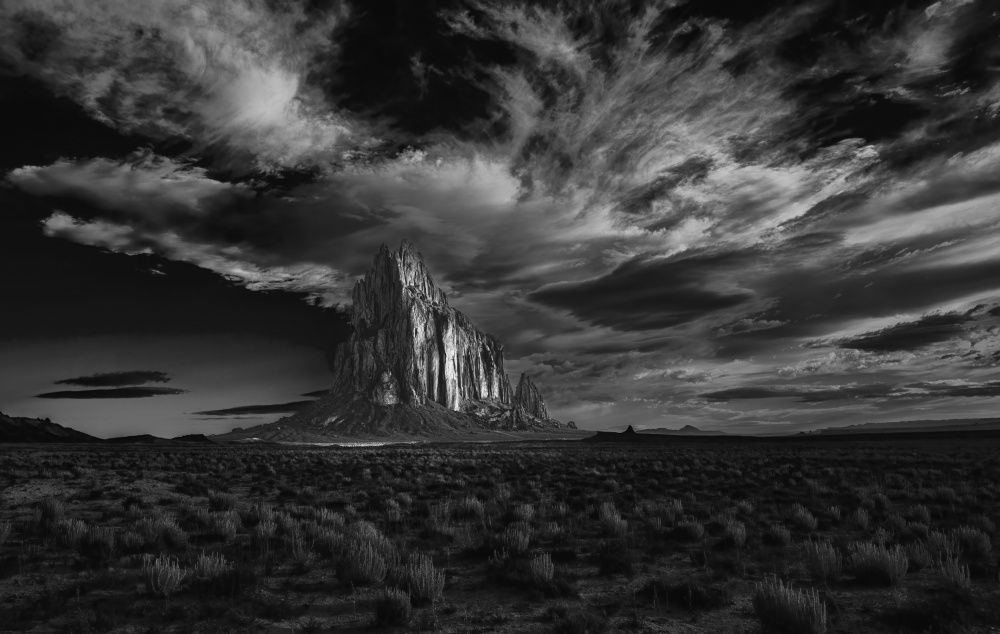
(859,519)
(70,532)
(361,564)
(162,576)
(783,609)
(393,608)
(974,542)
(954,572)
(210,566)
(823,561)
(426,584)
(516,538)
(734,533)
(877,565)
(777,535)
(218,501)
(540,568)
(612,524)
(802,519)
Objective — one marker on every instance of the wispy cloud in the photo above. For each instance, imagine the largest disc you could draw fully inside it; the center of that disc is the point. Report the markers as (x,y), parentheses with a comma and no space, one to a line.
(231,76)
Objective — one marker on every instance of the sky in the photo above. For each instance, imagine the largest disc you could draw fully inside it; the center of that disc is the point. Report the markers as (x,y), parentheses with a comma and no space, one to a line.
(754,217)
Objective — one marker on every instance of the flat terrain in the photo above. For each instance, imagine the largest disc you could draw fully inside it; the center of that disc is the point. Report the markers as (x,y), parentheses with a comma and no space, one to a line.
(506,537)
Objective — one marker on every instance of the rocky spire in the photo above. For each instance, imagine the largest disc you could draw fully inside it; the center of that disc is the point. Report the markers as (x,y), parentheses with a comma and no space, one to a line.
(528,400)
(416,365)
(409,346)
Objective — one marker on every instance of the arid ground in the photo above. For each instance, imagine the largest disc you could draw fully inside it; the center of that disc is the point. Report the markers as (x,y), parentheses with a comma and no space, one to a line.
(503,537)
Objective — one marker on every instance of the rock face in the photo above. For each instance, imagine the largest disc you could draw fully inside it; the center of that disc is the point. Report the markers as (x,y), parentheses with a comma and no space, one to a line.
(414,364)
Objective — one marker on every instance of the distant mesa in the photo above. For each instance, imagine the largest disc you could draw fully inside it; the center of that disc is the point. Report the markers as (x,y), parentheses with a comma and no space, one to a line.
(18,429)
(414,366)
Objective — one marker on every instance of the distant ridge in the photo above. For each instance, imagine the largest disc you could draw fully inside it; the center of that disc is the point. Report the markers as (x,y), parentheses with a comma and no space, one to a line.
(18,429)
(958,424)
(686,430)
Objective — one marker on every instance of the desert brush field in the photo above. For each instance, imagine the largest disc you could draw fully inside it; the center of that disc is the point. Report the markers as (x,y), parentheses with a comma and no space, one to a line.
(558,537)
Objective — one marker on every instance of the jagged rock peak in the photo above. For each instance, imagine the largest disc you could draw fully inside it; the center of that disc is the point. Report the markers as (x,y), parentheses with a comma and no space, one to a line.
(392,274)
(409,346)
(528,399)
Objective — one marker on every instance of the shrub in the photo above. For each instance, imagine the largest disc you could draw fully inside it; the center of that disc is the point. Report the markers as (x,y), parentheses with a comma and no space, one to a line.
(919,513)
(99,543)
(954,572)
(71,532)
(541,569)
(612,524)
(392,608)
(784,609)
(524,512)
(823,560)
(224,525)
(161,531)
(690,530)
(919,556)
(4,532)
(426,584)
(695,596)
(777,535)
(803,519)
(941,545)
(734,533)
(575,621)
(877,565)
(361,564)
(262,533)
(163,576)
(208,567)
(221,501)
(301,550)
(860,519)
(974,542)
(516,538)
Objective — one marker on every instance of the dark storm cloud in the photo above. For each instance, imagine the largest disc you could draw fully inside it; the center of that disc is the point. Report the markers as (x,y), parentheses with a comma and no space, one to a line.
(648,295)
(250,410)
(117,379)
(115,392)
(928,330)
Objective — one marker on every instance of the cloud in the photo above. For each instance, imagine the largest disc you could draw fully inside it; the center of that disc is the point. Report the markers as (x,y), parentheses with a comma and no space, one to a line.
(115,392)
(928,330)
(646,295)
(818,394)
(117,379)
(230,76)
(251,410)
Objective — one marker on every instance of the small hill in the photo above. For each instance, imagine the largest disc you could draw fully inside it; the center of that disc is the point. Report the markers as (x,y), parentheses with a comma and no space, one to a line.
(687,430)
(17,429)
(195,438)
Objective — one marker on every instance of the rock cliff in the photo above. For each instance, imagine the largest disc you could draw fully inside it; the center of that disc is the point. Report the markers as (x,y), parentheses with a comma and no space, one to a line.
(416,365)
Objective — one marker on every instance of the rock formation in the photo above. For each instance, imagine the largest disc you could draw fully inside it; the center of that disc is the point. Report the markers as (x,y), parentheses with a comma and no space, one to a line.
(416,365)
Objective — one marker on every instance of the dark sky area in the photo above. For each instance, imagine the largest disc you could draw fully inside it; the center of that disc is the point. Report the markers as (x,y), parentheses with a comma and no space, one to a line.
(746,216)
